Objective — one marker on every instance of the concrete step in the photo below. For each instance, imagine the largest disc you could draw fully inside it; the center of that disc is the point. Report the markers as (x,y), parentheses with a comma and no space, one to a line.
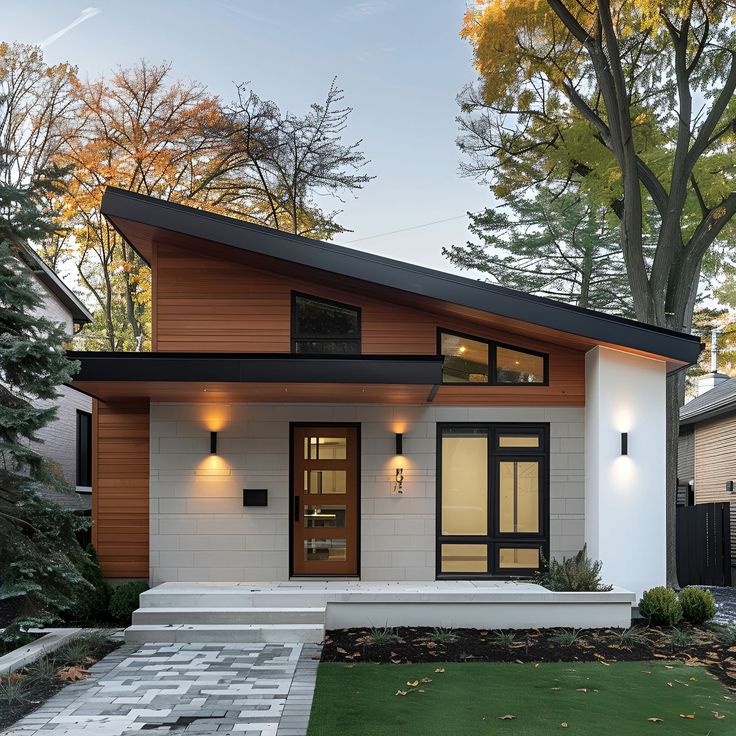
(224,633)
(239,598)
(202,615)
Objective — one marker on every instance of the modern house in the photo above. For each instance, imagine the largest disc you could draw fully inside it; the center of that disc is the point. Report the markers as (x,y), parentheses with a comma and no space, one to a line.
(314,412)
(66,441)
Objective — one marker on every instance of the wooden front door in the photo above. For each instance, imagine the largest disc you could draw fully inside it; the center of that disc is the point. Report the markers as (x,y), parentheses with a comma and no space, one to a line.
(324,500)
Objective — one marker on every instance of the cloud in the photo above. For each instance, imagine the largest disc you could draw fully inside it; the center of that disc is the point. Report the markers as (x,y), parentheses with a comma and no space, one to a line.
(83,16)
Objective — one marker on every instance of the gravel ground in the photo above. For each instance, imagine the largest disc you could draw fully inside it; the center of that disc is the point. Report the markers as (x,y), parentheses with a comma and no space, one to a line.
(726,604)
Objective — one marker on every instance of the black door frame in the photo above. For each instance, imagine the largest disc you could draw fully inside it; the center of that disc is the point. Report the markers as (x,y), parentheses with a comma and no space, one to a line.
(495,539)
(359,459)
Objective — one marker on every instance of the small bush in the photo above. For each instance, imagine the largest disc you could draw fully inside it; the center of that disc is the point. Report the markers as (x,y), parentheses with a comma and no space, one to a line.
(681,638)
(503,639)
(660,606)
(698,605)
(629,637)
(124,599)
(443,635)
(386,635)
(91,601)
(567,637)
(577,573)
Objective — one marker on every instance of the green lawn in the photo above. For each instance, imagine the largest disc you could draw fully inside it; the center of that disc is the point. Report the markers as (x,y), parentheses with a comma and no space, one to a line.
(470,698)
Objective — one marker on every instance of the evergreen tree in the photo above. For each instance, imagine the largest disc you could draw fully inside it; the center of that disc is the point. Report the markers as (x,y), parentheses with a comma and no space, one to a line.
(554,246)
(39,553)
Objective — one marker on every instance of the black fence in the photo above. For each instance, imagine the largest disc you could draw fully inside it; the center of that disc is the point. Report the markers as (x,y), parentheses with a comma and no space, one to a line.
(704,544)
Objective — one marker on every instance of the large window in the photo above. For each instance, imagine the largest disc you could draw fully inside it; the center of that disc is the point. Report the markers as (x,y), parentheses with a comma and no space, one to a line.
(493,499)
(470,359)
(84,449)
(322,326)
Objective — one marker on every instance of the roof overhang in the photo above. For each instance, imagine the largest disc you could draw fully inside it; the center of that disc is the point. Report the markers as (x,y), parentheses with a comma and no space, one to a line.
(143,221)
(257,378)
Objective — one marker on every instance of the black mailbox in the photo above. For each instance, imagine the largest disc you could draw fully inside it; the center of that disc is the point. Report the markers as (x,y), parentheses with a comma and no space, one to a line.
(255,496)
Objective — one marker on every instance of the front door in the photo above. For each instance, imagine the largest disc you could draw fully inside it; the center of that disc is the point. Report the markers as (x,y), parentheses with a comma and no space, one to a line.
(324,500)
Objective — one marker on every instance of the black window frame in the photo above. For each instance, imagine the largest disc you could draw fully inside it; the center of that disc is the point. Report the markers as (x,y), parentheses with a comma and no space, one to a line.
(294,338)
(494,539)
(492,345)
(84,442)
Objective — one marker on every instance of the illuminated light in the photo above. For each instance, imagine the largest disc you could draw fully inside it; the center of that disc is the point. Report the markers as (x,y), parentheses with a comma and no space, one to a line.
(462,349)
(213,466)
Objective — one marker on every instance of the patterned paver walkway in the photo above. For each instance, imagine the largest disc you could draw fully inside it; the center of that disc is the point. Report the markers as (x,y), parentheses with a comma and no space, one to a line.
(251,689)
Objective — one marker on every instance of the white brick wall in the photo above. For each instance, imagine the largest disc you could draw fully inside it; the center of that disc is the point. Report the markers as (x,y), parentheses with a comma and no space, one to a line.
(201,532)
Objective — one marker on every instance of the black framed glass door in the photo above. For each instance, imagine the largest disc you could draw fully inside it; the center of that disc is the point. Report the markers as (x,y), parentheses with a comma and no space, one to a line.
(492,499)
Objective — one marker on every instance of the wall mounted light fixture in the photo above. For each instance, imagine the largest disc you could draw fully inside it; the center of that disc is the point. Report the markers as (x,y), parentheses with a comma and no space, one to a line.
(213,443)
(624,443)
(399,443)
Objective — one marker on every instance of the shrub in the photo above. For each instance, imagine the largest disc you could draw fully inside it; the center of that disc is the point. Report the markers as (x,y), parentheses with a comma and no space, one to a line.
(629,637)
(660,606)
(698,605)
(124,599)
(380,636)
(681,638)
(577,573)
(503,638)
(91,601)
(726,635)
(567,637)
(443,635)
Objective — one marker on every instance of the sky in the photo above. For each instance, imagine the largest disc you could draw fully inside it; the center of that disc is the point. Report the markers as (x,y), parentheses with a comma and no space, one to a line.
(400,62)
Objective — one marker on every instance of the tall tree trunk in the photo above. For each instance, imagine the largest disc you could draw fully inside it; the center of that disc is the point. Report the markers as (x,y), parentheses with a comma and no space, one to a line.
(675,398)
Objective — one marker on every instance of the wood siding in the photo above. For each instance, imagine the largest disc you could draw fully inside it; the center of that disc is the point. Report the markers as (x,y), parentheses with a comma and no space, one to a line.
(207,304)
(686,455)
(715,463)
(120,471)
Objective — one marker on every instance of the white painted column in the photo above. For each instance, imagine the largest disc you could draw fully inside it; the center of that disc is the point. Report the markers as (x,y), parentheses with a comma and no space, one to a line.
(625,495)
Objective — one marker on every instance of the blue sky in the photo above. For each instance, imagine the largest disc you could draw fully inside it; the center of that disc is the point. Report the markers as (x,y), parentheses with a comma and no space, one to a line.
(401,64)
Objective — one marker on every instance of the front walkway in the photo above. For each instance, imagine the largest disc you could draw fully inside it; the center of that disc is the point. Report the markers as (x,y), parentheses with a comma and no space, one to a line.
(252,689)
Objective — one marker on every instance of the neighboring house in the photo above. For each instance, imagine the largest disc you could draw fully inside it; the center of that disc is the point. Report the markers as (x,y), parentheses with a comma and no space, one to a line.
(313,410)
(66,441)
(706,466)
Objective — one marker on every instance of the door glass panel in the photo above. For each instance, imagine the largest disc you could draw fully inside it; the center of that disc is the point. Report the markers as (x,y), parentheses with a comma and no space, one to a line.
(519,496)
(466,360)
(324,517)
(325,550)
(325,481)
(517,366)
(464,482)
(510,440)
(325,448)
(464,558)
(524,558)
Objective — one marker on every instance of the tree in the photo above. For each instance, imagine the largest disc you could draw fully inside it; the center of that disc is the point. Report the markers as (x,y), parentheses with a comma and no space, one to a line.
(292,159)
(633,103)
(553,246)
(39,554)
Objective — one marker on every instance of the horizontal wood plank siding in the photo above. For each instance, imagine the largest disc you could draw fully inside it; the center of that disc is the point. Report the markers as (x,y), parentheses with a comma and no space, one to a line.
(715,463)
(120,489)
(206,304)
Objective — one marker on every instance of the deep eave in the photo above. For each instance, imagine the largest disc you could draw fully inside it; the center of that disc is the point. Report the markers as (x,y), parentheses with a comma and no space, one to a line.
(124,208)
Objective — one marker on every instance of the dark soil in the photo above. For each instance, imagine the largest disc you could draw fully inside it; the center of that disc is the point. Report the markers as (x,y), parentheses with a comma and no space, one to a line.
(35,689)
(421,644)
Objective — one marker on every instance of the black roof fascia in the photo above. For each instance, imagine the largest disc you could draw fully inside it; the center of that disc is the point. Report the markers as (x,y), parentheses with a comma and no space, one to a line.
(257,368)
(399,275)
(50,279)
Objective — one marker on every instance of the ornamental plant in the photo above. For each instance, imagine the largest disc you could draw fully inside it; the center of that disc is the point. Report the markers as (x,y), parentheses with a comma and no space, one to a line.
(698,605)
(576,573)
(660,606)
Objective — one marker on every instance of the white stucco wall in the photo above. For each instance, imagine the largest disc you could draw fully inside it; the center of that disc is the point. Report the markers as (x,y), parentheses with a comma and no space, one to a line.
(625,495)
(201,532)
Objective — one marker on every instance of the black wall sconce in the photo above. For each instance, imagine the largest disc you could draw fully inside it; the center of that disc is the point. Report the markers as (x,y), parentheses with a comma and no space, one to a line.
(213,443)
(624,443)
(399,443)
(729,486)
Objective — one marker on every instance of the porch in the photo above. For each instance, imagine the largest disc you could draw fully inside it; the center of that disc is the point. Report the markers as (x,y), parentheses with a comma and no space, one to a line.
(301,610)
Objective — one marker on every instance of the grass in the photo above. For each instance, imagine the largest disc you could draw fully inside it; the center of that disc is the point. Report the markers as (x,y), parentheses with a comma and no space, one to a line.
(471,698)
(385,635)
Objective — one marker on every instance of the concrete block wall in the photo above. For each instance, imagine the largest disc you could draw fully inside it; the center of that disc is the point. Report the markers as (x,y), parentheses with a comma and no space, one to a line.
(200,530)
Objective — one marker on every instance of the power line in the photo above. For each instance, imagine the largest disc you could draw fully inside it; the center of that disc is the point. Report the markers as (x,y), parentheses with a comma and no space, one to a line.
(405,229)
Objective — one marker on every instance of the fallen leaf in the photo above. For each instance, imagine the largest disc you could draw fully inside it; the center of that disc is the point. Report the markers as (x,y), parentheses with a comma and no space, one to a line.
(348,666)
(693,679)
(440,669)
(718,715)
(582,690)
(646,672)
(507,717)
(426,679)
(669,684)
(655,720)
(395,661)
(536,665)
(669,667)
(605,664)
(689,716)
(341,650)
(73,673)
(555,688)
(412,683)
(563,724)
(401,692)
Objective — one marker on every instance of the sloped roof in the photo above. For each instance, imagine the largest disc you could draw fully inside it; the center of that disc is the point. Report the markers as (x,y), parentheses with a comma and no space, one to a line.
(129,211)
(721,399)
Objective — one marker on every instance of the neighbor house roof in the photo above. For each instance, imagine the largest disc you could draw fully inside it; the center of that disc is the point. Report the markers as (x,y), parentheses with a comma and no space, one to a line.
(719,400)
(48,277)
(141,220)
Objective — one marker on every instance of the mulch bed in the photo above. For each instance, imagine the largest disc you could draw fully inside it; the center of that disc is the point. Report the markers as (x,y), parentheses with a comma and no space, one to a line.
(39,692)
(531,645)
